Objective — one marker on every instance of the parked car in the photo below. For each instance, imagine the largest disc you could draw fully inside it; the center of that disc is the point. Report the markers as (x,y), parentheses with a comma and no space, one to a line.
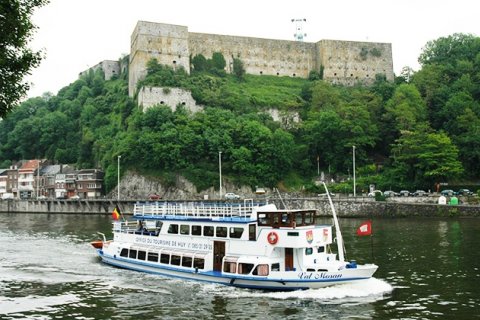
(375,192)
(41,198)
(448,192)
(420,193)
(231,196)
(7,195)
(465,192)
(390,193)
(404,193)
(154,196)
(75,197)
(260,190)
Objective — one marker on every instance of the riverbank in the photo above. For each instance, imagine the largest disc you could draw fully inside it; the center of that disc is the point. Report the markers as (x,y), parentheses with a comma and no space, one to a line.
(346,207)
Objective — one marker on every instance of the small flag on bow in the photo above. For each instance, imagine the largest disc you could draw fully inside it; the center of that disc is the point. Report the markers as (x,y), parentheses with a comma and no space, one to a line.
(365,229)
(116,213)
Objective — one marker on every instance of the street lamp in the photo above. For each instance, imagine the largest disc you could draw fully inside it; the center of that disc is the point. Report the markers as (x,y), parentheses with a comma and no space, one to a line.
(118,176)
(220,170)
(354,183)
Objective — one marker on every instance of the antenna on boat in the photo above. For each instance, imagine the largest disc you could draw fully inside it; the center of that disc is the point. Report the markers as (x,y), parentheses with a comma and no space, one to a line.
(280,196)
(341,249)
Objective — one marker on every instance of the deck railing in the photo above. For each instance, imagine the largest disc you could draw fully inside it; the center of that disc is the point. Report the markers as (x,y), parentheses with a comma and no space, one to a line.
(195,209)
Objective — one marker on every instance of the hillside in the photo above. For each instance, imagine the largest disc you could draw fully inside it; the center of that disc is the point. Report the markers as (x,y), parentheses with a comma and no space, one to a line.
(422,129)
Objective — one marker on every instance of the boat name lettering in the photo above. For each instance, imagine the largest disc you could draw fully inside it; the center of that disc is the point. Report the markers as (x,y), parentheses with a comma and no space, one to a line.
(174,243)
(321,275)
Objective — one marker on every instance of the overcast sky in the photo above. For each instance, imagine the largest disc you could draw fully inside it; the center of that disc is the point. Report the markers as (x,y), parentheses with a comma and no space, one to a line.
(77,34)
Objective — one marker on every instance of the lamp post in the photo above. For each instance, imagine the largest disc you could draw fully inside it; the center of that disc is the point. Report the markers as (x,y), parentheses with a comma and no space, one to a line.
(354,183)
(220,170)
(118,176)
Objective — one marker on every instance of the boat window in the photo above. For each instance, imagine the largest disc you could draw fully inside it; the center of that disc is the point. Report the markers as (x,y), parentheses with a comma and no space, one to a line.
(285,220)
(165,258)
(124,252)
(245,268)
(222,232)
(299,219)
(208,231)
(184,229)
(141,255)
(308,251)
(252,232)
(262,219)
(132,254)
(173,228)
(196,230)
(175,260)
(275,266)
(199,263)
(230,267)
(309,218)
(321,249)
(236,233)
(153,256)
(261,270)
(276,220)
(187,262)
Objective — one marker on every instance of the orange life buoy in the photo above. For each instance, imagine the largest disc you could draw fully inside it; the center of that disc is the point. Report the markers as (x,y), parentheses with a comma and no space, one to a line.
(272,237)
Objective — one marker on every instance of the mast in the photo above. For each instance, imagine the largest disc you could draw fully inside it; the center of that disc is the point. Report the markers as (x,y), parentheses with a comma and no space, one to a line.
(337,227)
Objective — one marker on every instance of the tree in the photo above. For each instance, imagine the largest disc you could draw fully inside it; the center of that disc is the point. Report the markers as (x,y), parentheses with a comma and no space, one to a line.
(404,111)
(238,68)
(448,50)
(423,158)
(218,61)
(199,63)
(16,58)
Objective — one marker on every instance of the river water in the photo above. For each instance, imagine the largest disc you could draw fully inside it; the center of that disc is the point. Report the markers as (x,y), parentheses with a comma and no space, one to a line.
(428,269)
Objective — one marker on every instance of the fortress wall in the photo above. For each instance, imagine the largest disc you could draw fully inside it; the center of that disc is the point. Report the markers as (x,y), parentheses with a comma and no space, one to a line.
(259,56)
(349,62)
(151,96)
(165,42)
(110,68)
(344,62)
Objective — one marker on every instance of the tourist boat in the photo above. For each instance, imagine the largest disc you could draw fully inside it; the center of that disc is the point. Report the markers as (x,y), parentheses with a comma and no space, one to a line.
(244,244)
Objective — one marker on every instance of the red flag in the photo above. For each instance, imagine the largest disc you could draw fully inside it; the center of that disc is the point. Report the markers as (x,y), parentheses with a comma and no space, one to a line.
(365,229)
(116,213)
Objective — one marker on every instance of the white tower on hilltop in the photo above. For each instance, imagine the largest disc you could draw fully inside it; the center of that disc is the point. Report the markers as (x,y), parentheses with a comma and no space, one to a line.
(299,35)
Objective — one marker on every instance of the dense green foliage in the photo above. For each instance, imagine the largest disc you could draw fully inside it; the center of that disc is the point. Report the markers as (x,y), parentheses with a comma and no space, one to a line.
(16,58)
(422,129)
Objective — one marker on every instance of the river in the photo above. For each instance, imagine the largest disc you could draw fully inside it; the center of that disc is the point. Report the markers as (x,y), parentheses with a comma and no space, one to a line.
(428,269)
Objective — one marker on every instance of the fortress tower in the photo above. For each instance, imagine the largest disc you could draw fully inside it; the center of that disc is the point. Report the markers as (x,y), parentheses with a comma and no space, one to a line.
(342,62)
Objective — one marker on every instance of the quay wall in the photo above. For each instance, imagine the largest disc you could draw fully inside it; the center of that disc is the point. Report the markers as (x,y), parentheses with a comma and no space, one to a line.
(344,207)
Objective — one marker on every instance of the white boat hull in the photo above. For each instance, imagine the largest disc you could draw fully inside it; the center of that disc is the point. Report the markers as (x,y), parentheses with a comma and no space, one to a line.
(280,281)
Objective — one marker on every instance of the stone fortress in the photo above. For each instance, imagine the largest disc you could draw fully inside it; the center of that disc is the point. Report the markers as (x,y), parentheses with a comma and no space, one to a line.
(340,62)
